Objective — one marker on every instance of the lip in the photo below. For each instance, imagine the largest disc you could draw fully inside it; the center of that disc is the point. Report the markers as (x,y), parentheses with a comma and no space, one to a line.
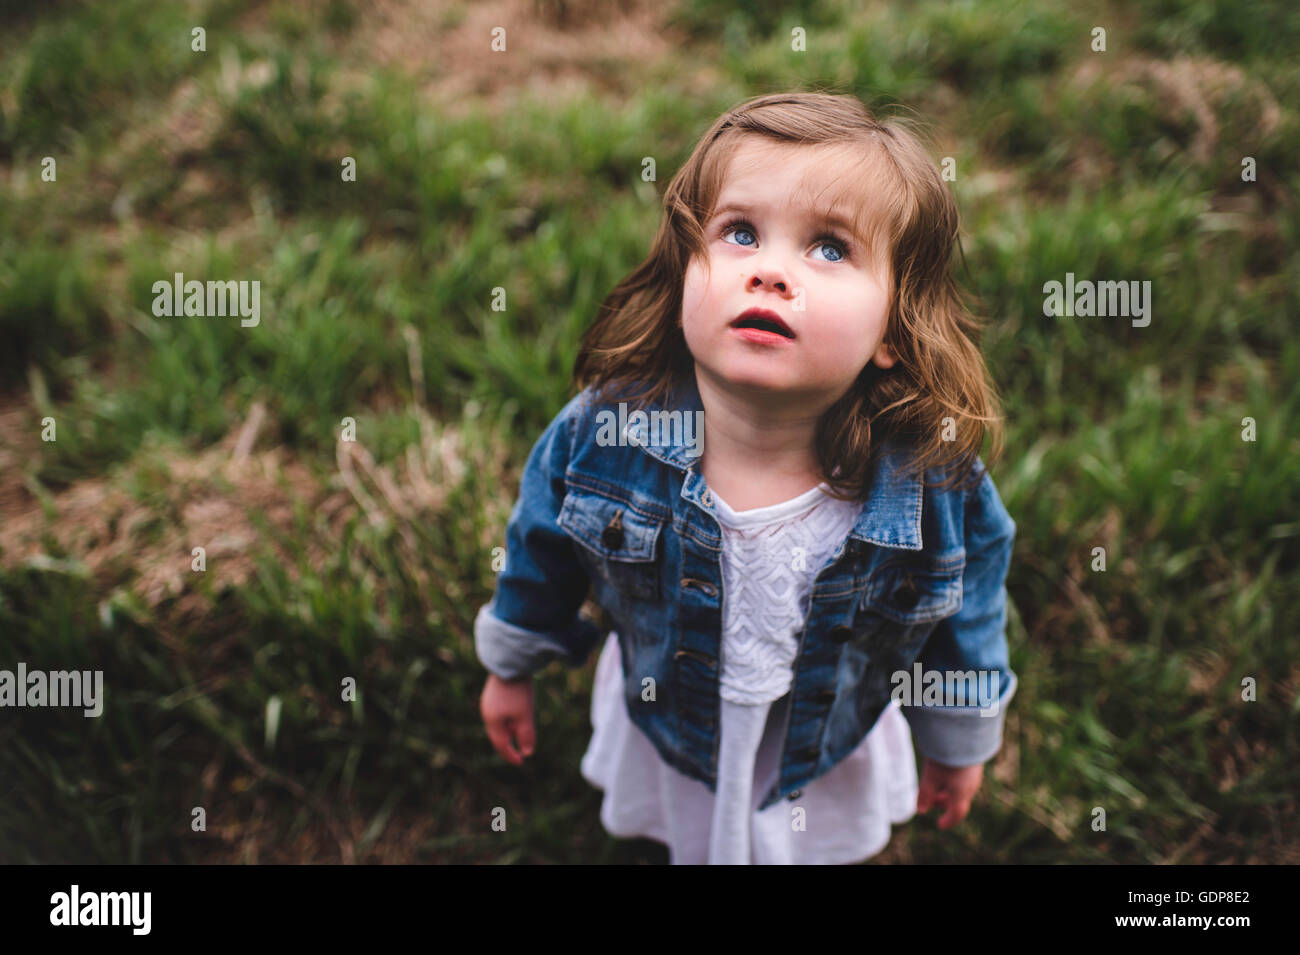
(759,335)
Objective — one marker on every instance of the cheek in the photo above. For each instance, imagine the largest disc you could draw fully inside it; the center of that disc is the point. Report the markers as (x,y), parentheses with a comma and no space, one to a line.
(695,290)
(877,311)
(867,309)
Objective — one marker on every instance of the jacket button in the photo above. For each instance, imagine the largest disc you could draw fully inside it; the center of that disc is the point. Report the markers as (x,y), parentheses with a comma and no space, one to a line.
(825,696)
(906,596)
(840,633)
(612,537)
(704,585)
(696,655)
(795,795)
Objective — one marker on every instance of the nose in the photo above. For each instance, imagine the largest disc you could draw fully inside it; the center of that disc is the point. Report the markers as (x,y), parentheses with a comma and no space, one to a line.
(770,275)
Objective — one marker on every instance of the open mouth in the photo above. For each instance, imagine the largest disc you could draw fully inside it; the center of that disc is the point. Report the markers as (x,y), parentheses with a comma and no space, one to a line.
(763,321)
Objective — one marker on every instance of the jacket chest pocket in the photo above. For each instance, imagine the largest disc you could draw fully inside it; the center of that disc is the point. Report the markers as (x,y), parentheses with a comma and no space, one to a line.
(616,543)
(902,604)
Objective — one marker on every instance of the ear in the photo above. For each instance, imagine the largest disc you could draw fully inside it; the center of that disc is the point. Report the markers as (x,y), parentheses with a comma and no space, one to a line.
(884,357)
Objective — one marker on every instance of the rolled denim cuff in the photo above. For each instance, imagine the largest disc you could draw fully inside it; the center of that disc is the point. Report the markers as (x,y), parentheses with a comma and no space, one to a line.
(512,652)
(960,735)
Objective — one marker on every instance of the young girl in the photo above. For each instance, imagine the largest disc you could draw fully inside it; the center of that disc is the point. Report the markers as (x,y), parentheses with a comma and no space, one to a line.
(806,534)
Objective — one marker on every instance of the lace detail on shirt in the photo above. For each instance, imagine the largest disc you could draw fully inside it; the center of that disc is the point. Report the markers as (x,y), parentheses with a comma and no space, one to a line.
(770,559)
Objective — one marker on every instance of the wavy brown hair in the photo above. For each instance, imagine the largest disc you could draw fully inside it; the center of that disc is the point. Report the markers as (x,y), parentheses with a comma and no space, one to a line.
(635,349)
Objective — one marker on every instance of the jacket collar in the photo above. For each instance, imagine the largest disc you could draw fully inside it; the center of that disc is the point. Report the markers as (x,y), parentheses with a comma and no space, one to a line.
(891,516)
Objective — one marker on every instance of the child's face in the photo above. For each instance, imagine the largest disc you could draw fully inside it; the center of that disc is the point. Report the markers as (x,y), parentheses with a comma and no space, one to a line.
(776,259)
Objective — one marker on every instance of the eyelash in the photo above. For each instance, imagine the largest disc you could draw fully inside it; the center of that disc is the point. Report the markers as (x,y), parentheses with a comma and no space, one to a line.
(830,237)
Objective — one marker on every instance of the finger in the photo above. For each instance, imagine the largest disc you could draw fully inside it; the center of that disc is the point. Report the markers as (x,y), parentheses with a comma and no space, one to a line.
(525,736)
(926,795)
(955,814)
(499,733)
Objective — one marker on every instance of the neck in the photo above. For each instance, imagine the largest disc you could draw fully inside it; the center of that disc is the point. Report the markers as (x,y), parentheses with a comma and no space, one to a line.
(742,427)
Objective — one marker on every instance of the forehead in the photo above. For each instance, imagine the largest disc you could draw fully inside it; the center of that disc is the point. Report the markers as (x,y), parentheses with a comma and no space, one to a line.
(781,174)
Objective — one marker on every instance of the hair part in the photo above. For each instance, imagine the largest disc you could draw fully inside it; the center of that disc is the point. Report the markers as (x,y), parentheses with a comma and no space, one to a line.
(937,397)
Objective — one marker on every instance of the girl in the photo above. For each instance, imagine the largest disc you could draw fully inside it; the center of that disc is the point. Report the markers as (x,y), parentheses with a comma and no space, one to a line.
(784,587)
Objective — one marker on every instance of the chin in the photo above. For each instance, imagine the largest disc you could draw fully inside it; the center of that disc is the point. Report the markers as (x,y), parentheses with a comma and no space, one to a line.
(758,380)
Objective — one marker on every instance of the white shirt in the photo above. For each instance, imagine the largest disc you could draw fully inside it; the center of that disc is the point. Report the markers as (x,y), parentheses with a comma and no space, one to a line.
(770,559)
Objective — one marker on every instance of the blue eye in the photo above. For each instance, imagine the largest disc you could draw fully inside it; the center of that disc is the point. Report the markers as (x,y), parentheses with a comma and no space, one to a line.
(832,245)
(735,227)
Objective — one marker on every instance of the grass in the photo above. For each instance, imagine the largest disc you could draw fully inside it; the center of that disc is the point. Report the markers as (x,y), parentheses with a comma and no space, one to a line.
(227,688)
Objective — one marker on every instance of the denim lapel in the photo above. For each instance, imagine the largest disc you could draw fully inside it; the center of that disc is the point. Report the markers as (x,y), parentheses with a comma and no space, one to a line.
(891,516)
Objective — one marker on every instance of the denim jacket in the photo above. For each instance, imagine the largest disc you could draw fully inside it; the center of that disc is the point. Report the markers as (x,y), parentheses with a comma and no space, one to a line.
(918,585)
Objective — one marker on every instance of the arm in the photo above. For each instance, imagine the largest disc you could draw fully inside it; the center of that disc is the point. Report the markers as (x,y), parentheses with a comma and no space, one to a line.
(974,638)
(533,616)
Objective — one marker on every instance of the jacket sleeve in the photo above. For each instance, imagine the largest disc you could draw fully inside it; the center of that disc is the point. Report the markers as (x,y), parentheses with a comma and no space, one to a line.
(533,616)
(974,638)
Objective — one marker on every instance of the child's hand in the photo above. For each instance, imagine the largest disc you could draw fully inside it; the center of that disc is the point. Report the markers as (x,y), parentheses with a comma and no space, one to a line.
(952,787)
(507,709)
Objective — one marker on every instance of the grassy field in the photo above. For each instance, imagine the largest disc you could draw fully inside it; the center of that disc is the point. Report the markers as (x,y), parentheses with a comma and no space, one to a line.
(329,560)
